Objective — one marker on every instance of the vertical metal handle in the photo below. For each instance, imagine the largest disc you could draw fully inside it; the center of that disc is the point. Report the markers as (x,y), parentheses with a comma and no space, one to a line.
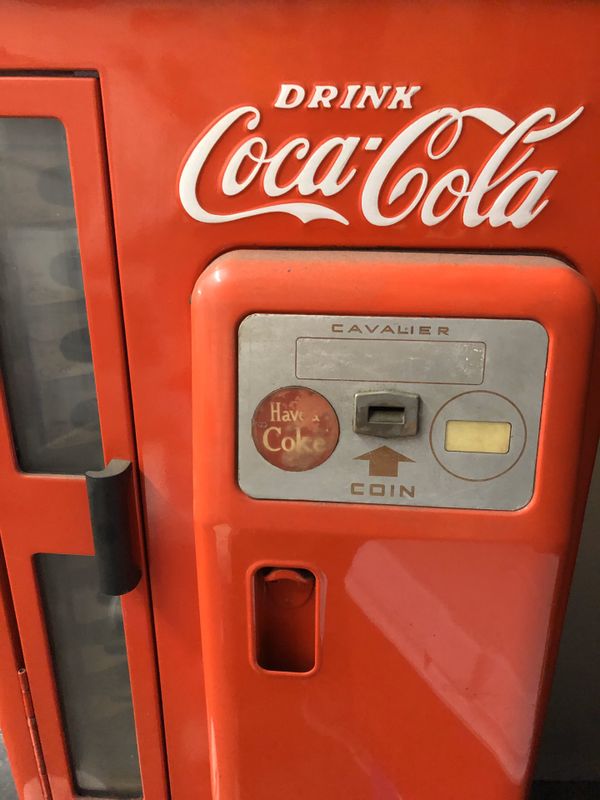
(109,493)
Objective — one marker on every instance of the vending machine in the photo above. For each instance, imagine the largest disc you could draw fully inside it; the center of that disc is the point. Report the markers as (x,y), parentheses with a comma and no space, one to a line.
(299,394)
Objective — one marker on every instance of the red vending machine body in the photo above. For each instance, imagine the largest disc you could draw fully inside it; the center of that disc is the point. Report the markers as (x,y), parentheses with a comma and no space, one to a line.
(194,131)
(438,577)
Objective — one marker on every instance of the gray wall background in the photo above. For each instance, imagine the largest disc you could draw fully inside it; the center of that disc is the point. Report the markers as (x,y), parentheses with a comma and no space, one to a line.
(7,787)
(571,739)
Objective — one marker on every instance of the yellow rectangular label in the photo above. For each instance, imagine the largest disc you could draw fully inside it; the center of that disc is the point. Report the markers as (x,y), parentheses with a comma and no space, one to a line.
(474,436)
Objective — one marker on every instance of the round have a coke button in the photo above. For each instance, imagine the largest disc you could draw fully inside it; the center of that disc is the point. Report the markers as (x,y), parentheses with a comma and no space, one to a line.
(295,428)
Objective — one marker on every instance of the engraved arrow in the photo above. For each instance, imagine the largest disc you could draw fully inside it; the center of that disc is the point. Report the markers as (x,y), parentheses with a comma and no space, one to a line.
(383,462)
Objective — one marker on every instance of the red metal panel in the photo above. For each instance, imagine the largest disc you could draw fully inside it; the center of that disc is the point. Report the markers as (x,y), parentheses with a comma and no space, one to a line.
(13,720)
(41,513)
(436,622)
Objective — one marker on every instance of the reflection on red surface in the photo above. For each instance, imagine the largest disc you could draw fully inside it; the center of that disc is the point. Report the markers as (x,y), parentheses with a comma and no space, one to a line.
(478,642)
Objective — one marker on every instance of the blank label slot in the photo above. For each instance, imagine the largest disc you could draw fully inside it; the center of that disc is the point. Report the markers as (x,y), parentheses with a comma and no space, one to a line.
(390,361)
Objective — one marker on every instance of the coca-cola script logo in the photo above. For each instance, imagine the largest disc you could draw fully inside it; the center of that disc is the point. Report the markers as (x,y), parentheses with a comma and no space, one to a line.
(505,188)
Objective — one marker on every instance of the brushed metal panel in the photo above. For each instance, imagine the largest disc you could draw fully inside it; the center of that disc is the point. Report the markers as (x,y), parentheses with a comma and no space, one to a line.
(415,470)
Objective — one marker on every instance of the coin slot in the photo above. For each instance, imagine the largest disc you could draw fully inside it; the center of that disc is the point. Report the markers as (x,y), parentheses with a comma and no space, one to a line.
(386,414)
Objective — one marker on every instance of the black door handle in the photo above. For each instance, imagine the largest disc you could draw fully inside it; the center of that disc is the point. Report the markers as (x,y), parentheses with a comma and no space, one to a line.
(109,496)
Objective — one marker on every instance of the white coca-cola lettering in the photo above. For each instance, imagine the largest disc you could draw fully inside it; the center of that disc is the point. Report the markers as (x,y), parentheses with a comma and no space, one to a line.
(291,95)
(402,98)
(353,95)
(500,192)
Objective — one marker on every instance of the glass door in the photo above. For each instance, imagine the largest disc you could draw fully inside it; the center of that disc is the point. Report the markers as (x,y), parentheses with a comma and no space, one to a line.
(65,410)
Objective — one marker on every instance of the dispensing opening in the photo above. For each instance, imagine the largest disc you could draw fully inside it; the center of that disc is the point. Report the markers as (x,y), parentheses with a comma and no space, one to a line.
(285,619)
